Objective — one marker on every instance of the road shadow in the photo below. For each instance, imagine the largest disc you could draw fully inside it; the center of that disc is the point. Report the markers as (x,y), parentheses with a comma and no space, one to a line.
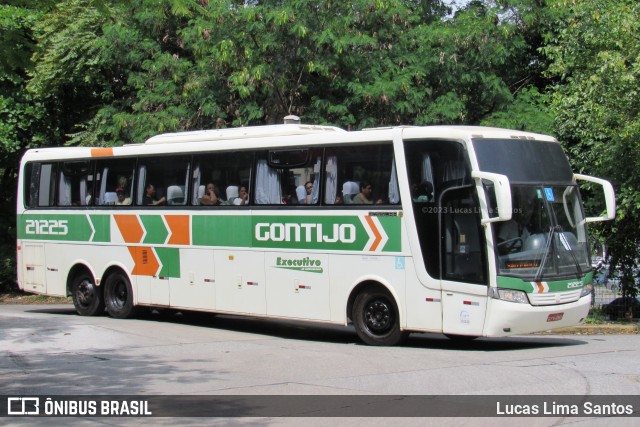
(318,332)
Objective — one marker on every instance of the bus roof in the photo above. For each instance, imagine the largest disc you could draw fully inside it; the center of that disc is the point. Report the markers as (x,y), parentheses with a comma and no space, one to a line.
(282,136)
(241,133)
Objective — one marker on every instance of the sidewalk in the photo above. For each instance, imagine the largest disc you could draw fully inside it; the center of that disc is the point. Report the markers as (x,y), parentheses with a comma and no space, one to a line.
(599,329)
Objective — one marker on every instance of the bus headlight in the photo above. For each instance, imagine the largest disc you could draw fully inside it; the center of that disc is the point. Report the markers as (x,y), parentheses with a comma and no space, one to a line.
(510,295)
(586,290)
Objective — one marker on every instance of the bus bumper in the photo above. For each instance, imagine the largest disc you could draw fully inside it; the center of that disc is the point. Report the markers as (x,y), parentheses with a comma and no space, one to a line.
(506,318)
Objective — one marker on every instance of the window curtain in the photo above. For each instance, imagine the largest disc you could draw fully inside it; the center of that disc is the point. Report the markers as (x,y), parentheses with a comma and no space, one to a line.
(427,170)
(185,185)
(83,191)
(45,192)
(454,170)
(196,184)
(268,190)
(315,193)
(142,177)
(301,194)
(64,193)
(103,185)
(394,191)
(331,183)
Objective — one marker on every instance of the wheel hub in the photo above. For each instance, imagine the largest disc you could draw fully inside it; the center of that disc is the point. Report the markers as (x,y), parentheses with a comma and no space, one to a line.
(378,316)
(85,292)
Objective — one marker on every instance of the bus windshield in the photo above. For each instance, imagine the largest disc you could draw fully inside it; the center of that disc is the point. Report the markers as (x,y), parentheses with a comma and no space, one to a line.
(546,236)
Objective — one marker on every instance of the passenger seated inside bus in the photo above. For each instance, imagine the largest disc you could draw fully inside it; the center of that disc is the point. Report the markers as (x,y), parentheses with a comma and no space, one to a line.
(150,197)
(512,234)
(364,196)
(308,188)
(123,200)
(210,195)
(244,196)
(423,192)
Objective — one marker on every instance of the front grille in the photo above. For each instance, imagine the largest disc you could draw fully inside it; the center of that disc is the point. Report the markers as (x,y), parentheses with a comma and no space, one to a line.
(552,298)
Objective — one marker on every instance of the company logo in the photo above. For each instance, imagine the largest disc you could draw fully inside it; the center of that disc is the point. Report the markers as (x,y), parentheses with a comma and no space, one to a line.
(23,406)
(292,232)
(57,227)
(300,264)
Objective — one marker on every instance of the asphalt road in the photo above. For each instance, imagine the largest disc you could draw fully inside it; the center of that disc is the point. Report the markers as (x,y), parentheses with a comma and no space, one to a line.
(48,349)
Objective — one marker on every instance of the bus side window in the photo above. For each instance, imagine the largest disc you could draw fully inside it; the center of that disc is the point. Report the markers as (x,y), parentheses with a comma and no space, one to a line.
(348,168)
(112,175)
(45,182)
(169,177)
(31,184)
(221,170)
(75,186)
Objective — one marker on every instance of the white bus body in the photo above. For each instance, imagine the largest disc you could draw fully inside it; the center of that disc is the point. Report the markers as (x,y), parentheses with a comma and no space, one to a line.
(425,255)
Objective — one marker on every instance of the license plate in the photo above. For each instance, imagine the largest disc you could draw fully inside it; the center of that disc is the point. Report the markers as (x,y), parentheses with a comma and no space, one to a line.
(555,317)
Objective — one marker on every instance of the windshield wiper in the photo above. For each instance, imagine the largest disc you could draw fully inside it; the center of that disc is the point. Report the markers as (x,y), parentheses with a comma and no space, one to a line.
(547,247)
(567,246)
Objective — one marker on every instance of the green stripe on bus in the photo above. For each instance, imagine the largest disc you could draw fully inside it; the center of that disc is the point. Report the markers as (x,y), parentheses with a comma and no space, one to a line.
(219,230)
(102,227)
(347,233)
(156,230)
(307,232)
(554,285)
(74,228)
(170,260)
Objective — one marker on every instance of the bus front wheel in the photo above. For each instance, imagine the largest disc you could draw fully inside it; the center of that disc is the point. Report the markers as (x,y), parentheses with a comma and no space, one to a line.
(87,297)
(118,296)
(375,317)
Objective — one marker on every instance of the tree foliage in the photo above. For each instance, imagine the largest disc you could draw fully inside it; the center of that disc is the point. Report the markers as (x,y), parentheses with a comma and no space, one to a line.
(104,73)
(596,63)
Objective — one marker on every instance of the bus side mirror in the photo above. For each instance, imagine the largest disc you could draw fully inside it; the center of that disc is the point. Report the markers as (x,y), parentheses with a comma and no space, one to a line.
(609,197)
(497,198)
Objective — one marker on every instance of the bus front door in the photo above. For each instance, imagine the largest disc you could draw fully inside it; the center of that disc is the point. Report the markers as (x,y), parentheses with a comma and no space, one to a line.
(463,263)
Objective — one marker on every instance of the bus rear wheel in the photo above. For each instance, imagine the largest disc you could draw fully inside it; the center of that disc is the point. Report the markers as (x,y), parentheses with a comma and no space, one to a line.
(87,297)
(375,317)
(118,296)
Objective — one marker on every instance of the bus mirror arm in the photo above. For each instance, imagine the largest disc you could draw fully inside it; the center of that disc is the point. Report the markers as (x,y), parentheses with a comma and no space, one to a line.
(502,191)
(609,197)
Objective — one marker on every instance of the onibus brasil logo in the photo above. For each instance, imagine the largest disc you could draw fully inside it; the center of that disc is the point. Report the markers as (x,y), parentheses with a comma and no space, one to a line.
(300,264)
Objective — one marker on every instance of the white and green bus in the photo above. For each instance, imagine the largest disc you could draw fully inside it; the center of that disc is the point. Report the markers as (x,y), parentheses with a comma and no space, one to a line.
(466,231)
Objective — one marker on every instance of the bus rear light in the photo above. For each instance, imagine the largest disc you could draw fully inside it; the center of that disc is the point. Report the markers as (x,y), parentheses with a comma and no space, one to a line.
(19,247)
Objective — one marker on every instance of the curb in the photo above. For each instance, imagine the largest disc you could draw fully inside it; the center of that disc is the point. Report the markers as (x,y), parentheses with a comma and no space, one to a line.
(603,329)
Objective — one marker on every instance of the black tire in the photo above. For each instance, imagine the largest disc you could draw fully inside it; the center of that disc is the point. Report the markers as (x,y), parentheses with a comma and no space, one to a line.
(118,296)
(87,297)
(375,317)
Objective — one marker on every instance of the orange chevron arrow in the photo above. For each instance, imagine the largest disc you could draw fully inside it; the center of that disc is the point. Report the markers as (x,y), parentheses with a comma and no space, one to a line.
(130,228)
(179,228)
(145,261)
(376,233)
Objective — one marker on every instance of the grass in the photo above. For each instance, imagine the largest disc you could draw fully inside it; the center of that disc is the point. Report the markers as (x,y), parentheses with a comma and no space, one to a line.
(596,317)
(25,298)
